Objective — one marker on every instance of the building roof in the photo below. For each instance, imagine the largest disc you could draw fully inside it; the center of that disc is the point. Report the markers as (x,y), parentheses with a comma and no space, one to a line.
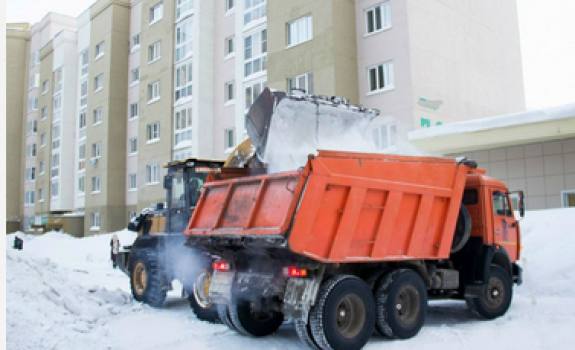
(500,131)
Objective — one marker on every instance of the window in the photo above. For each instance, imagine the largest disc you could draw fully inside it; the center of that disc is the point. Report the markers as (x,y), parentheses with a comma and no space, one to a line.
(136,42)
(96,150)
(183,127)
(384,136)
(99,50)
(55,169)
(229,46)
(83,93)
(43,113)
(568,199)
(30,174)
(32,104)
(501,204)
(40,195)
(135,75)
(252,92)
(57,81)
(33,81)
(134,107)
(155,52)
(57,108)
(84,61)
(153,132)
(254,10)
(229,138)
(229,4)
(154,91)
(35,58)
(42,167)
(31,150)
(97,116)
(31,127)
(29,197)
(55,189)
(95,184)
(82,120)
(55,136)
(153,174)
(299,31)
(43,140)
(229,91)
(184,40)
(133,183)
(98,82)
(82,157)
(44,87)
(381,77)
(183,82)
(255,53)
(302,82)
(95,217)
(378,18)
(156,13)
(133,146)
(183,8)
(81,184)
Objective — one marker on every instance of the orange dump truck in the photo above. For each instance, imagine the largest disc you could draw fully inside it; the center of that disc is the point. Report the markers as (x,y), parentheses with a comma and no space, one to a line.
(356,242)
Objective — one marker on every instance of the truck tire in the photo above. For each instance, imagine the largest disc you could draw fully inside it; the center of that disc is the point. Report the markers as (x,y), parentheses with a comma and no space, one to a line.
(224,316)
(146,279)
(199,299)
(401,299)
(462,230)
(496,298)
(343,316)
(253,323)
(303,331)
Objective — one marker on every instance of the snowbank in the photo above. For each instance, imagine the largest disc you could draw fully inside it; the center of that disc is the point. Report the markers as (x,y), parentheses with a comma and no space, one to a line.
(62,293)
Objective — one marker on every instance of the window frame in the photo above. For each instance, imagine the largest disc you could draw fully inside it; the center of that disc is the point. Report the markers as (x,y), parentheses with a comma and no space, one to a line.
(97,116)
(153,132)
(307,22)
(98,82)
(152,174)
(155,52)
(96,185)
(260,55)
(156,17)
(133,146)
(386,21)
(388,72)
(99,50)
(308,82)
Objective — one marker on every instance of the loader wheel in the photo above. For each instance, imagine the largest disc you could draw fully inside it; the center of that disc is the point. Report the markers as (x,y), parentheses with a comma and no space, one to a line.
(462,230)
(248,321)
(200,300)
(344,315)
(146,279)
(224,315)
(401,304)
(496,298)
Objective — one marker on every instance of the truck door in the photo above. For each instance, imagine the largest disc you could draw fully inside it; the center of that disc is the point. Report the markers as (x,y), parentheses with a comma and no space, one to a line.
(504,224)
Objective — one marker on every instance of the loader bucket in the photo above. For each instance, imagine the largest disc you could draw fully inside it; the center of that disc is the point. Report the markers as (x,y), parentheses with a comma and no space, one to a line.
(259,118)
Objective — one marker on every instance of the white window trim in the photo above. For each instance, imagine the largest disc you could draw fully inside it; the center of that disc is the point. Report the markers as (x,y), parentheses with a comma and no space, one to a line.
(383,29)
(159,18)
(99,187)
(301,42)
(159,52)
(130,189)
(130,153)
(96,228)
(155,182)
(385,89)
(156,139)
(101,54)
(564,197)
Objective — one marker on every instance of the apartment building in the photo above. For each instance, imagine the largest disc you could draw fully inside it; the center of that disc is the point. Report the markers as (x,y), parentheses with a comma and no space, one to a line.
(157,80)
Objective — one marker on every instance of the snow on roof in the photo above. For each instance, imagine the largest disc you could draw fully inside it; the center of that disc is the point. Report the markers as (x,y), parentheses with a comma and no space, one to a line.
(502,121)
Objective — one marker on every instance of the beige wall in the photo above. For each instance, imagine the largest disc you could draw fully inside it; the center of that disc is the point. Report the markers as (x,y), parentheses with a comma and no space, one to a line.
(542,169)
(160,111)
(17,44)
(330,55)
(110,23)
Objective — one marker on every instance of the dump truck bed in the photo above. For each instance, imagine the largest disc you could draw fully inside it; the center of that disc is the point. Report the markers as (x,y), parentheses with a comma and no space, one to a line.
(342,207)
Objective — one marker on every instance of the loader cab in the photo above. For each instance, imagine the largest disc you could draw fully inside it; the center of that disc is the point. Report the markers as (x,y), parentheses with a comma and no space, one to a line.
(184,184)
(492,214)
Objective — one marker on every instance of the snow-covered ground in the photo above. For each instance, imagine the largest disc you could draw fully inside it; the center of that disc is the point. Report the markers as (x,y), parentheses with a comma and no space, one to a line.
(62,293)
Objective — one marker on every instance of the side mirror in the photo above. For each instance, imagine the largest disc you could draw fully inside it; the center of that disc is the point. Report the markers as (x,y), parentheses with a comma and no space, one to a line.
(521,204)
(167,182)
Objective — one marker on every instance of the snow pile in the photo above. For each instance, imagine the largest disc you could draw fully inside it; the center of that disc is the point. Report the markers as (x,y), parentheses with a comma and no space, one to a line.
(62,293)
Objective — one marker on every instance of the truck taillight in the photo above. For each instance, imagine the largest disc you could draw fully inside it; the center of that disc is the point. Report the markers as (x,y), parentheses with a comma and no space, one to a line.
(292,271)
(221,266)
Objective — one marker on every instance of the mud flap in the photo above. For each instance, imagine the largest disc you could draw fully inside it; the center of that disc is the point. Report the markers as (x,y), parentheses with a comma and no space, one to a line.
(221,286)
(300,295)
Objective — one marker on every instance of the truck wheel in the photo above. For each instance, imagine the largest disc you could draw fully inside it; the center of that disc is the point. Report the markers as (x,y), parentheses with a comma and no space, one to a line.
(199,298)
(462,230)
(224,315)
(248,321)
(401,304)
(344,315)
(146,279)
(303,331)
(496,298)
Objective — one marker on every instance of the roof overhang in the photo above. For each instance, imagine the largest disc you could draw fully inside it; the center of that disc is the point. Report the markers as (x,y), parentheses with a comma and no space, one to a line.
(502,131)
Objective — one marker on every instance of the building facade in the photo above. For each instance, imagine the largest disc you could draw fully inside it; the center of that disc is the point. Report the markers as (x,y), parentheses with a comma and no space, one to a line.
(133,84)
